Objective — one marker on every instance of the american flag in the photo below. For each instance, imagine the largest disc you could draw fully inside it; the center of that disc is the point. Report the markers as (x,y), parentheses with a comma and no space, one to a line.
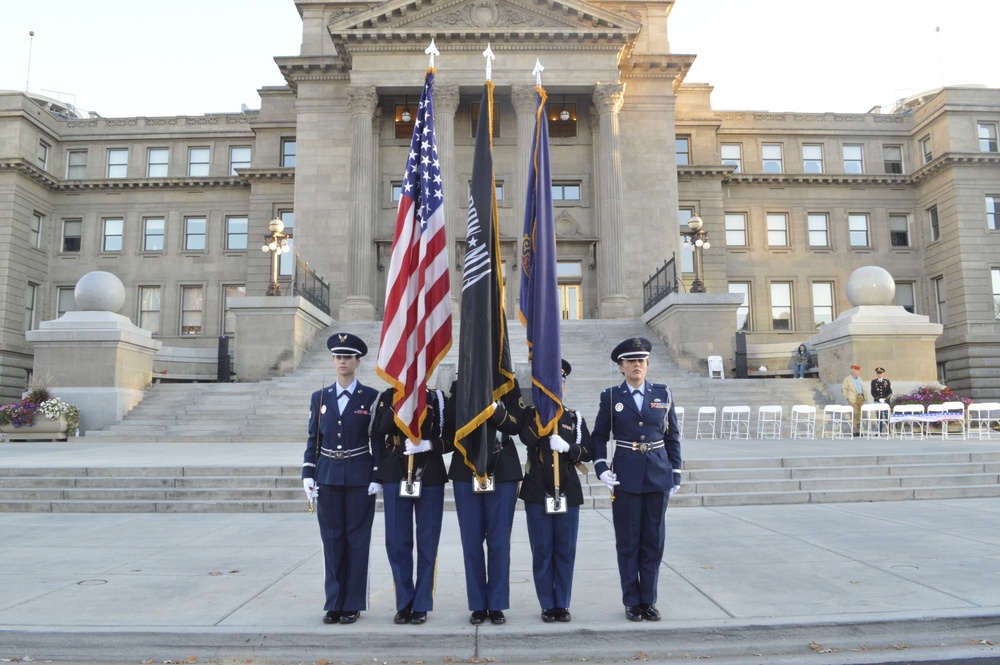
(416,331)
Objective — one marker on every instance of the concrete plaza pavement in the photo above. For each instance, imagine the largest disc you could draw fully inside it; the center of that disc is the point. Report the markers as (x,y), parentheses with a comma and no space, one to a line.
(818,583)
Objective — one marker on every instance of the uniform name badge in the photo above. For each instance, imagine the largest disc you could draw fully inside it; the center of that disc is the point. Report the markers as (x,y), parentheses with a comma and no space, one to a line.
(483,486)
(410,489)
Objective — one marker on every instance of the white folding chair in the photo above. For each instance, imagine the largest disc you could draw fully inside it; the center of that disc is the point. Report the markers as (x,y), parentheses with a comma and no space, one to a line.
(907,429)
(803,422)
(838,422)
(706,423)
(715,369)
(874,421)
(982,417)
(735,422)
(679,410)
(935,428)
(769,422)
(946,426)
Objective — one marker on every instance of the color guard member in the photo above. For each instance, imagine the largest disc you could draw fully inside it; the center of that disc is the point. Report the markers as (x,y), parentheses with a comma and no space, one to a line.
(637,418)
(338,471)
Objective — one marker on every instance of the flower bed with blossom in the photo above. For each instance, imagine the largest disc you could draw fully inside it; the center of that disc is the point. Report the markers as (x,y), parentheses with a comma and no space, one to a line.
(24,413)
(933,393)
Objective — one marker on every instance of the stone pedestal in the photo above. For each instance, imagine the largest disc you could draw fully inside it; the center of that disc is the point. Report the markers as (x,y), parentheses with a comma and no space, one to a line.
(97,360)
(695,326)
(272,334)
(877,336)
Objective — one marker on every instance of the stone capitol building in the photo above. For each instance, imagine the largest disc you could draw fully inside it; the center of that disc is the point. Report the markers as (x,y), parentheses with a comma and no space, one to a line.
(793,203)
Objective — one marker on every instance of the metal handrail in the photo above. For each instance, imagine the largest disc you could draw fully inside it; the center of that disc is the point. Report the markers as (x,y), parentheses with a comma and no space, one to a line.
(663,282)
(310,286)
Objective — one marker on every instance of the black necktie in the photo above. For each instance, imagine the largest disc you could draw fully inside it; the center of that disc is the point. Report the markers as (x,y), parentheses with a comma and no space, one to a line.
(344,393)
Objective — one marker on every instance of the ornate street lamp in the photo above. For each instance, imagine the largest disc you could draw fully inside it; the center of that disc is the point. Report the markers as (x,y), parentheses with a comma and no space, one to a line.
(697,238)
(277,244)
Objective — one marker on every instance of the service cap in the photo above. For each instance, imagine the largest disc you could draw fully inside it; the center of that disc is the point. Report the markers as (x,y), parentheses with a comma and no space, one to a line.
(346,344)
(632,349)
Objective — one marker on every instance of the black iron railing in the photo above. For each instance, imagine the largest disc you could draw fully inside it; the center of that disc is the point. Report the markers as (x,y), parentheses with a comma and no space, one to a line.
(660,285)
(310,286)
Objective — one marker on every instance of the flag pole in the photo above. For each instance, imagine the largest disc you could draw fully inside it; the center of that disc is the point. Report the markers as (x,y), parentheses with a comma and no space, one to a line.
(432,51)
(488,54)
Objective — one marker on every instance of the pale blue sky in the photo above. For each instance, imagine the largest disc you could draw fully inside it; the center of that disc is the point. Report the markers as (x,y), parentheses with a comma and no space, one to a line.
(133,57)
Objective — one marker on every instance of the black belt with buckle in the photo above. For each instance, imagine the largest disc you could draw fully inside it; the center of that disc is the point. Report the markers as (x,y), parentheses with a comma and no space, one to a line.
(343,454)
(638,447)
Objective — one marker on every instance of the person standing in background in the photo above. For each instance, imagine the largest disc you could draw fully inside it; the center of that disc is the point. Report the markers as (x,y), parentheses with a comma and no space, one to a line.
(854,393)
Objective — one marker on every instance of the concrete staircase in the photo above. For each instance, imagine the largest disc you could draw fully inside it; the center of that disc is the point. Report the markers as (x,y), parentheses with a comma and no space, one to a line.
(277,410)
(706,482)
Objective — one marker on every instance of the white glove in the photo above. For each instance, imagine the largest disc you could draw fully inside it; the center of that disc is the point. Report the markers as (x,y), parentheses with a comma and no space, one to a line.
(881,400)
(558,444)
(421,447)
(673,490)
(609,479)
(310,487)
(374,488)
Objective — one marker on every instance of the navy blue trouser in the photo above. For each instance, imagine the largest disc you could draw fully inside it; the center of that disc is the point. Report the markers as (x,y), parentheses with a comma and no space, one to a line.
(488,518)
(640,531)
(399,537)
(345,526)
(553,552)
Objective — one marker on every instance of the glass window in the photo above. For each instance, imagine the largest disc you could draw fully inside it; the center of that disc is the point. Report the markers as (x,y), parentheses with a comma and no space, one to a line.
(781,306)
(822,303)
(993,212)
(857,226)
(562,120)
(743,311)
(239,158)
(152,234)
(43,154)
(987,137)
(65,300)
(566,191)
(236,232)
(940,300)
(777,230)
(396,191)
(892,158)
(228,319)
(198,161)
(192,310)
(906,296)
(113,230)
(149,309)
(812,158)
(926,150)
(194,234)
(995,283)
(72,232)
(286,263)
(158,163)
(899,231)
(736,229)
(288,153)
(30,293)
(771,155)
(117,163)
(819,229)
(854,159)
(569,269)
(932,222)
(732,155)
(76,165)
(35,234)
(683,147)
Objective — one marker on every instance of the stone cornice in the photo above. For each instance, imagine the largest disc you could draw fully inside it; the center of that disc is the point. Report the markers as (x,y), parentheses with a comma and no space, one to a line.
(814,179)
(32,172)
(28,170)
(668,66)
(250,175)
(314,68)
(952,159)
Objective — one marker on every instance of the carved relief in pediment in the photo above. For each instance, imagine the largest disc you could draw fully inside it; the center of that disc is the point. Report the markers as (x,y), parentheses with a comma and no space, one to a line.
(486,14)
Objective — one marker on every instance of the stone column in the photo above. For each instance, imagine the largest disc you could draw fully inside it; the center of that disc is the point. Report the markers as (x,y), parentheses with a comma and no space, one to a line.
(523,97)
(359,305)
(608,99)
(445,106)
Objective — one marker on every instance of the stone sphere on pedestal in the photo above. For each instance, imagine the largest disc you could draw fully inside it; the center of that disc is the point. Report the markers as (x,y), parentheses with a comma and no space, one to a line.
(99,291)
(871,285)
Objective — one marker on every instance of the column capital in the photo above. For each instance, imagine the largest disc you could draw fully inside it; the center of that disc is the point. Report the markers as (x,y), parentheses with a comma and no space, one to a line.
(523,98)
(609,97)
(362,99)
(446,98)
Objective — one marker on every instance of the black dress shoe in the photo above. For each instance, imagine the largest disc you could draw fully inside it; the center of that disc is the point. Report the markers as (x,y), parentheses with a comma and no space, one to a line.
(650,613)
(349,617)
(403,616)
(477,617)
(563,615)
(417,618)
(497,617)
(633,613)
(331,617)
(548,616)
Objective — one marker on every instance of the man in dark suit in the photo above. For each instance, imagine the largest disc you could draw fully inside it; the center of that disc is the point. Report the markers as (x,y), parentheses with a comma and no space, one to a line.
(338,471)
(404,503)
(553,535)
(637,418)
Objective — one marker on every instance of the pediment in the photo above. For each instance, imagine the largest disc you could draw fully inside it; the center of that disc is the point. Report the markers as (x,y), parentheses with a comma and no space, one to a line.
(399,20)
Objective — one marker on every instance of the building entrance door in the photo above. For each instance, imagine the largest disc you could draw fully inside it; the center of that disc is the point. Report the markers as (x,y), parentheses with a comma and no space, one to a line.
(571,297)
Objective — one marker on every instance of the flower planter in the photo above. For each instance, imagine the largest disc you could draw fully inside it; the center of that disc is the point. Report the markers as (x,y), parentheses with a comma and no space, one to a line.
(42,429)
